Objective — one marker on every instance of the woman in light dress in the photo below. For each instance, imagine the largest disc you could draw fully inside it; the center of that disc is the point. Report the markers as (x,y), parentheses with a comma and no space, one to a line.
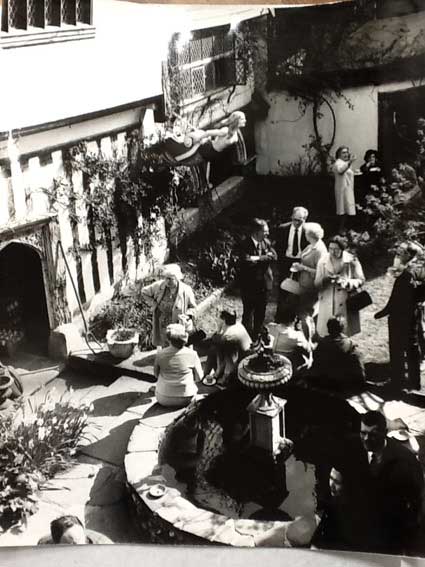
(177,368)
(338,273)
(344,185)
(306,267)
(171,299)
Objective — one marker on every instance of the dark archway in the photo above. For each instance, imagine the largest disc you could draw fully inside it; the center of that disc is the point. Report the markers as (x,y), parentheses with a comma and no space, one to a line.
(23,306)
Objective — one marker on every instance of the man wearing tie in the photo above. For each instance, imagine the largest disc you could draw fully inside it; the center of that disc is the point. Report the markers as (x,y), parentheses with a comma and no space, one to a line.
(255,275)
(291,241)
(396,484)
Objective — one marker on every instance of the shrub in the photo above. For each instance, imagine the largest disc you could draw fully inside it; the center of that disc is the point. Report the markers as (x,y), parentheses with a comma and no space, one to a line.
(129,311)
(389,217)
(213,251)
(35,444)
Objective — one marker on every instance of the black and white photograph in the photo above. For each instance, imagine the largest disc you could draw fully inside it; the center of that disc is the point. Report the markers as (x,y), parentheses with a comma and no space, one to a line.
(212,275)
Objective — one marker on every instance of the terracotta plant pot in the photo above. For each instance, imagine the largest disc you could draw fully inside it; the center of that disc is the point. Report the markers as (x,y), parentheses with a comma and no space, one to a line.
(121,348)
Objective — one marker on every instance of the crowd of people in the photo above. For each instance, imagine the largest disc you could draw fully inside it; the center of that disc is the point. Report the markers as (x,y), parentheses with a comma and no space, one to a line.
(375,505)
(320,298)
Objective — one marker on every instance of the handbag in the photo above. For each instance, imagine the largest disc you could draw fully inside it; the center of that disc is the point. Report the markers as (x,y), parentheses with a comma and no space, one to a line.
(358,300)
(291,286)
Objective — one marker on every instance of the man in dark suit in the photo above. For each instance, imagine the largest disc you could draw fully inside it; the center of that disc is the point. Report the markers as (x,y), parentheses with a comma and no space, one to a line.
(255,275)
(290,242)
(396,484)
(403,327)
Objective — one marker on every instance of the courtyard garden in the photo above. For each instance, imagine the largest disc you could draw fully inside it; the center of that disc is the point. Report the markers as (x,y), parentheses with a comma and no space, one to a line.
(51,436)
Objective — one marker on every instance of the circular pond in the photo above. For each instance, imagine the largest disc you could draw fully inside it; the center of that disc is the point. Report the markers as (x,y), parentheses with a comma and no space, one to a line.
(213,490)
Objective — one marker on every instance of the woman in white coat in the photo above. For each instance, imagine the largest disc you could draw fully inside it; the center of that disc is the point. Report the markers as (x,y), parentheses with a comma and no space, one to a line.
(344,185)
(338,273)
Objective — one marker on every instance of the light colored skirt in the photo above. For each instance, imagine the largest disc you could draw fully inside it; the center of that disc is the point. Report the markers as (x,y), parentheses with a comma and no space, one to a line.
(173,401)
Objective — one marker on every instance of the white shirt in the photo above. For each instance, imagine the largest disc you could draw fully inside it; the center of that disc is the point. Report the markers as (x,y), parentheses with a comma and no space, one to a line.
(291,236)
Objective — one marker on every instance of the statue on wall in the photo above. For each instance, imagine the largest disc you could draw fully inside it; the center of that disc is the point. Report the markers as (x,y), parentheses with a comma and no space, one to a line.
(187,145)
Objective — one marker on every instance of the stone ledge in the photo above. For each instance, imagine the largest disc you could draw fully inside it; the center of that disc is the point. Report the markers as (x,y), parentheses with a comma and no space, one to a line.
(175,514)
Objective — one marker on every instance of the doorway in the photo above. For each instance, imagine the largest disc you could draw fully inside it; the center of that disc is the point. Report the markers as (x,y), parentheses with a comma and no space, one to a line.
(24,322)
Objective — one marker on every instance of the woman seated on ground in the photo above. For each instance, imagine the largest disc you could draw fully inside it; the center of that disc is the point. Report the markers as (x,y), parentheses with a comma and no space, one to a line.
(70,530)
(229,345)
(338,274)
(177,369)
(291,342)
(171,299)
(337,361)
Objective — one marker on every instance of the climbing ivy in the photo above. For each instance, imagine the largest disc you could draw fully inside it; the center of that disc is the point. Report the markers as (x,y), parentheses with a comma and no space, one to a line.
(125,193)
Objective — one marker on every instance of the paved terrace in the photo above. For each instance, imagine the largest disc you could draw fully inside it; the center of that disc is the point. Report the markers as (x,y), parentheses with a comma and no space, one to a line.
(94,489)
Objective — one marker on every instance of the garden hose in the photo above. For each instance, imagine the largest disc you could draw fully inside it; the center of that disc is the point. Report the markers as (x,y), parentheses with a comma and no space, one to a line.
(87,332)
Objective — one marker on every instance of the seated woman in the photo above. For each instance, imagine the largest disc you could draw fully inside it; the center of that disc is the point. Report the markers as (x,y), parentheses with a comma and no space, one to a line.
(229,345)
(337,362)
(171,299)
(291,342)
(70,530)
(177,368)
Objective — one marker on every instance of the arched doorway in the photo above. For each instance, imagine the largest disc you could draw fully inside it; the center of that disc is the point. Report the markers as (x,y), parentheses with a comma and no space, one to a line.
(23,306)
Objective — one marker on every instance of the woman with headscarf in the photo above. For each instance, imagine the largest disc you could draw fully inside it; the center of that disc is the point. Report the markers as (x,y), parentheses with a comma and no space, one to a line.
(177,369)
(172,301)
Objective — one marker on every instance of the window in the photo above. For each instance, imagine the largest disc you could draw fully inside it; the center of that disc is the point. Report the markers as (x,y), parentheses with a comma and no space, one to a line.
(32,17)
(204,63)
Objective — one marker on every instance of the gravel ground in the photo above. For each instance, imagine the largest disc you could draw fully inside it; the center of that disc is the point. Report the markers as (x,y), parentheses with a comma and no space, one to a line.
(372,341)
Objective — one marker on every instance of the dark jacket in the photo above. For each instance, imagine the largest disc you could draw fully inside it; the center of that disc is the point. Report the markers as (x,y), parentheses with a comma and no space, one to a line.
(282,238)
(398,485)
(405,295)
(339,360)
(256,277)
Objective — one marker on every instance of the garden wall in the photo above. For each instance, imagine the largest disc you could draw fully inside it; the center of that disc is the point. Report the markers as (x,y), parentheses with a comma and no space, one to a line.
(280,137)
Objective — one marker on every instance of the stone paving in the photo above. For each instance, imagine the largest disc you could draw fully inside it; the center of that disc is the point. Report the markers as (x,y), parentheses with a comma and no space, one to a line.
(95,488)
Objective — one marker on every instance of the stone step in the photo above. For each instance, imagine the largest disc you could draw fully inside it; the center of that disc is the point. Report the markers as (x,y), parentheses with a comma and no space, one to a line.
(104,365)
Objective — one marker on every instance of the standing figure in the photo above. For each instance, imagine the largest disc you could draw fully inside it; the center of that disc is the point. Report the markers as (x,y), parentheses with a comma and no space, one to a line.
(371,171)
(255,275)
(171,299)
(307,266)
(290,242)
(344,185)
(403,327)
(396,484)
(338,273)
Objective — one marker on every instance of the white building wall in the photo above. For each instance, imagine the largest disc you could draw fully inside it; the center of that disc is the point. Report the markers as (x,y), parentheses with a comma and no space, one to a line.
(279,138)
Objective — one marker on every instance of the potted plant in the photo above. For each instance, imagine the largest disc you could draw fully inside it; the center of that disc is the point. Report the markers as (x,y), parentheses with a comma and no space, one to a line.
(121,342)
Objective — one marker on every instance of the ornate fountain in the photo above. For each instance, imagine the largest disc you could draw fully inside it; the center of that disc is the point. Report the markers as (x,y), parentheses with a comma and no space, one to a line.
(263,371)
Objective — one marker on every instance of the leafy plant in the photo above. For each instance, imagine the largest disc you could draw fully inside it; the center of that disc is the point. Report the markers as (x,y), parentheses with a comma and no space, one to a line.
(213,251)
(35,444)
(390,219)
(126,310)
(122,335)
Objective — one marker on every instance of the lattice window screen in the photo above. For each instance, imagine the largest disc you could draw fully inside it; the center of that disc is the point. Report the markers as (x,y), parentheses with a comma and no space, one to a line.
(24,14)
